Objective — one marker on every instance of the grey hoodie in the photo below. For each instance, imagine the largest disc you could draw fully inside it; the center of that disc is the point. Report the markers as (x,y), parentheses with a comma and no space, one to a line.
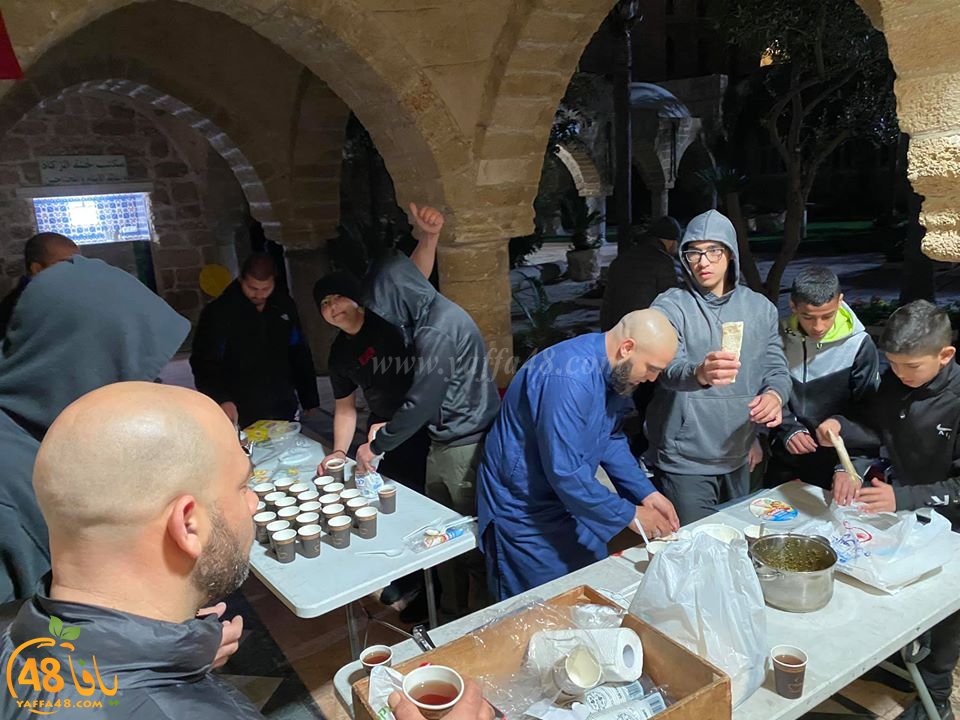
(707,431)
(79,325)
(452,392)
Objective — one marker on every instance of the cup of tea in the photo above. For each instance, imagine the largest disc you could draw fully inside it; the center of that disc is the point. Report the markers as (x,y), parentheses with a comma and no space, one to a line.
(388,498)
(335,469)
(434,689)
(789,668)
(376,655)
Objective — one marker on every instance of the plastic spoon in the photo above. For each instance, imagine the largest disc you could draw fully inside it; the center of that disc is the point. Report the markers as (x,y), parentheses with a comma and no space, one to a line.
(388,553)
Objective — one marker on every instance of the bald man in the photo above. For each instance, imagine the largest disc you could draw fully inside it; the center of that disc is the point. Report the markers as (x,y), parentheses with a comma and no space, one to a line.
(542,512)
(144,490)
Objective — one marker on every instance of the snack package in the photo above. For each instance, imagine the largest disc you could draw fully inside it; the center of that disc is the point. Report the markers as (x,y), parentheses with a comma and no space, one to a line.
(732,339)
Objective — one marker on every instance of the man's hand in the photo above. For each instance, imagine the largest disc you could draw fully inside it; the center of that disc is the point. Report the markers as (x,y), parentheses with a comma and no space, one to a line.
(372,432)
(801,443)
(825,428)
(846,489)
(766,409)
(428,220)
(658,501)
(718,368)
(655,524)
(230,637)
(755,456)
(472,706)
(230,408)
(335,455)
(365,457)
(878,498)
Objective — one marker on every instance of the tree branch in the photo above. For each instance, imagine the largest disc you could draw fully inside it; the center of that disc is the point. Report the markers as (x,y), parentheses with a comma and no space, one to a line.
(810,172)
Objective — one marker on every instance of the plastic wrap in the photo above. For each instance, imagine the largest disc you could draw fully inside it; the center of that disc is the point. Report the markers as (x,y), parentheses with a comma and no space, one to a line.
(369,484)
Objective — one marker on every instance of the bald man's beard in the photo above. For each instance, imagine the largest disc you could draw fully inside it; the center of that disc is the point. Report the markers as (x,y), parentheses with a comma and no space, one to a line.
(224,564)
(620,379)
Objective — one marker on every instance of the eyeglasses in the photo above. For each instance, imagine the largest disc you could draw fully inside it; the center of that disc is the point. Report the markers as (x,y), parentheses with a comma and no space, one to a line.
(713,255)
(245,443)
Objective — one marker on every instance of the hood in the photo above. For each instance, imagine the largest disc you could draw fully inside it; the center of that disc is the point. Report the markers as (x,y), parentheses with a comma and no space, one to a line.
(845,325)
(397,291)
(715,226)
(176,652)
(79,325)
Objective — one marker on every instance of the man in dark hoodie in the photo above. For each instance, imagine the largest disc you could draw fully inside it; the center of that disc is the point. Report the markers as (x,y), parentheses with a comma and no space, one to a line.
(709,403)
(78,326)
(915,416)
(452,393)
(41,251)
(250,353)
(134,560)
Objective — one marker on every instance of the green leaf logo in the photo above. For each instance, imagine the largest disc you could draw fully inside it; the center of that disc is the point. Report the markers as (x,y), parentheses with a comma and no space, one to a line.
(56,626)
(70,633)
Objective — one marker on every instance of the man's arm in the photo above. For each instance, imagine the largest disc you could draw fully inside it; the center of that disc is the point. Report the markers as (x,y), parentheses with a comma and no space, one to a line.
(681,374)
(427,223)
(776,376)
(561,421)
(301,363)
(344,422)
(624,471)
(206,356)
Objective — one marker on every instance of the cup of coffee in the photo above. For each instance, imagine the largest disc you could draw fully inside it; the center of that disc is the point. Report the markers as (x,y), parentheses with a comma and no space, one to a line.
(288,513)
(333,488)
(262,520)
(307,518)
(332,511)
(285,501)
(335,469)
(366,522)
(271,499)
(376,655)
(789,668)
(434,689)
(284,483)
(388,498)
(310,540)
(263,489)
(312,506)
(308,496)
(340,528)
(284,544)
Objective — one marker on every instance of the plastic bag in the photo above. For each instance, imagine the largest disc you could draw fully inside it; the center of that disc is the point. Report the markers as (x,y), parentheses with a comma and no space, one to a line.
(369,484)
(887,551)
(383,681)
(704,594)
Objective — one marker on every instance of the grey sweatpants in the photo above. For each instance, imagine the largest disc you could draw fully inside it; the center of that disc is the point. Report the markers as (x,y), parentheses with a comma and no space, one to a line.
(697,496)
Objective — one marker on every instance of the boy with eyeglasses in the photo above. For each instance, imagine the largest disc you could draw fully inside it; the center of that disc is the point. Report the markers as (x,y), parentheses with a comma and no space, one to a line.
(710,402)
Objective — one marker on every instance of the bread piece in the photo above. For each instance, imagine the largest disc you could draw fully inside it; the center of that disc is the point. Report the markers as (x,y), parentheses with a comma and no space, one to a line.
(732,339)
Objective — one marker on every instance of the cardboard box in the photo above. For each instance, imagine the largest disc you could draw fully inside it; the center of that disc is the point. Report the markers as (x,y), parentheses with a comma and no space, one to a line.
(701,690)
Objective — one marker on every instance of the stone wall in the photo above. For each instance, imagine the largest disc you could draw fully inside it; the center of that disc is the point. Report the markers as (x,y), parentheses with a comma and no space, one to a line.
(88,125)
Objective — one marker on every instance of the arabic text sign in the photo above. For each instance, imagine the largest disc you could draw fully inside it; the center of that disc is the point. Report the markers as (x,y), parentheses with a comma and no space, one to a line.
(82,169)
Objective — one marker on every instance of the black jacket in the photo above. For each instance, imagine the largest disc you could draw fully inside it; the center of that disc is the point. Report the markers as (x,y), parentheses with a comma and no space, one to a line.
(919,427)
(635,279)
(452,390)
(258,360)
(9,302)
(159,669)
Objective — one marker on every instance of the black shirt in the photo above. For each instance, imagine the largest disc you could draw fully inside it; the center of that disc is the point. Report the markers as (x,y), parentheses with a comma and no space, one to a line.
(377,361)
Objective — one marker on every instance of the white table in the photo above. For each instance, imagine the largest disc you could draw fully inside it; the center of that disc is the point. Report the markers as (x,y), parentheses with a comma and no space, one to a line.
(338,578)
(858,629)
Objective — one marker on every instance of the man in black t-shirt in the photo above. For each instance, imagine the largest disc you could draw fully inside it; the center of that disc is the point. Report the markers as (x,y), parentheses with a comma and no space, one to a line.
(370,354)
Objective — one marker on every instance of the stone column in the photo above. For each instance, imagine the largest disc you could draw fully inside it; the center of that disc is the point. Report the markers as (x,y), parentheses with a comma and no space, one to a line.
(476,276)
(659,202)
(304,268)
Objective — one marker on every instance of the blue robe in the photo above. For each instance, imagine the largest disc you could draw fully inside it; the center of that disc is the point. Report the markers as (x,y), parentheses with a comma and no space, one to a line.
(542,513)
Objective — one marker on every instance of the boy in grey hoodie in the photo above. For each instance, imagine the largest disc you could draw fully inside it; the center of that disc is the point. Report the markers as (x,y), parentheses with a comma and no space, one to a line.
(709,404)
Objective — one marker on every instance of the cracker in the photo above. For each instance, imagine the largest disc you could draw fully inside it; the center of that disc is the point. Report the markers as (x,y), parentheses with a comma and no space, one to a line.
(732,339)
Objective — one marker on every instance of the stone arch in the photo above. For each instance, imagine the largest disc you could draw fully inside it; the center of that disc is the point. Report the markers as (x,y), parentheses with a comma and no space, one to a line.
(692,195)
(583,170)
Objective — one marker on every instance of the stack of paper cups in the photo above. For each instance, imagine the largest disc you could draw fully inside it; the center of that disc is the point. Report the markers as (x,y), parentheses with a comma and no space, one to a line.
(618,649)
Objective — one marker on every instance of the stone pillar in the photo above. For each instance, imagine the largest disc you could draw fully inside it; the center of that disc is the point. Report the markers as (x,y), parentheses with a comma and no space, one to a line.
(476,276)
(659,202)
(304,268)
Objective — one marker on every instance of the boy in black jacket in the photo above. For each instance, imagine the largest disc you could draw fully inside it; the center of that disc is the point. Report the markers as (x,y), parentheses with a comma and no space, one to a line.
(916,413)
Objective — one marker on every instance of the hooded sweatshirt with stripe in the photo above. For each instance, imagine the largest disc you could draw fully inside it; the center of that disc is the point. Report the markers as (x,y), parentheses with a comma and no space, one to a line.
(696,430)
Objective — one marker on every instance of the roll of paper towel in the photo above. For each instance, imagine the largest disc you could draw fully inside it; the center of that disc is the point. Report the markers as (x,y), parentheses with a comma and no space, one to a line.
(618,650)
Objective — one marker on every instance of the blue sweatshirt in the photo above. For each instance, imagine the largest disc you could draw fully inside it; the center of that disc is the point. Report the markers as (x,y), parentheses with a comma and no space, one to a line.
(707,431)
(536,484)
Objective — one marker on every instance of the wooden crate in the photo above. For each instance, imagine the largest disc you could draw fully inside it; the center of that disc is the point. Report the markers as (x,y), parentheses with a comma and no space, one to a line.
(701,691)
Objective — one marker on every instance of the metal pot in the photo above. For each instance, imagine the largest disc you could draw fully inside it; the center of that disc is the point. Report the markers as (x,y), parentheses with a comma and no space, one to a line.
(794,590)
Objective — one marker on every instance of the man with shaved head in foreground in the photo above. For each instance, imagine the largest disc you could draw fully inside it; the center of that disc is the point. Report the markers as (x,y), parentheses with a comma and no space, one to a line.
(542,512)
(144,491)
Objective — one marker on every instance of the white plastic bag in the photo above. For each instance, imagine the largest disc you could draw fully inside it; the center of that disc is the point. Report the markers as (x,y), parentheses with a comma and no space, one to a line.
(383,681)
(886,551)
(704,594)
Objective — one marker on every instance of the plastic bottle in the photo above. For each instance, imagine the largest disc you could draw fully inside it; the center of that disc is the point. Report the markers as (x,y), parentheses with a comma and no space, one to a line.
(642,709)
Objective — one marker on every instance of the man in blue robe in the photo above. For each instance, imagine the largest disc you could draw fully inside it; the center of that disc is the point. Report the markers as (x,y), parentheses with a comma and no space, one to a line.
(542,511)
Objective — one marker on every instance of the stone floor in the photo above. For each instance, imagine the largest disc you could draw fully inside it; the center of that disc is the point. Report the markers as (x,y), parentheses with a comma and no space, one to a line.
(317,648)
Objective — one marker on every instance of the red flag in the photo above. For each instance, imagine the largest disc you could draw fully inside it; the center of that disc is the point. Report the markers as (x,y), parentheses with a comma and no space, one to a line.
(9,67)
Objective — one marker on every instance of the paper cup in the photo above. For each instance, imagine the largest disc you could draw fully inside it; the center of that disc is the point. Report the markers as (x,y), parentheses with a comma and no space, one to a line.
(283,502)
(335,469)
(340,529)
(354,504)
(308,518)
(388,498)
(349,494)
(329,499)
(789,668)
(308,496)
(334,488)
(331,511)
(263,489)
(261,507)
(284,544)
(577,672)
(376,655)
(310,543)
(298,488)
(367,522)
(271,499)
(277,526)
(284,483)
(288,513)
(313,506)
(322,480)
(434,689)
(262,520)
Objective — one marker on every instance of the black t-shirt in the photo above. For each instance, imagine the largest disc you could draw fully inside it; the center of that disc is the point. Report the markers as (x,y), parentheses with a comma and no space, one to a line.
(377,361)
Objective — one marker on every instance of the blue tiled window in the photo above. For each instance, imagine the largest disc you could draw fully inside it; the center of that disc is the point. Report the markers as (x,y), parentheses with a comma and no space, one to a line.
(92,219)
